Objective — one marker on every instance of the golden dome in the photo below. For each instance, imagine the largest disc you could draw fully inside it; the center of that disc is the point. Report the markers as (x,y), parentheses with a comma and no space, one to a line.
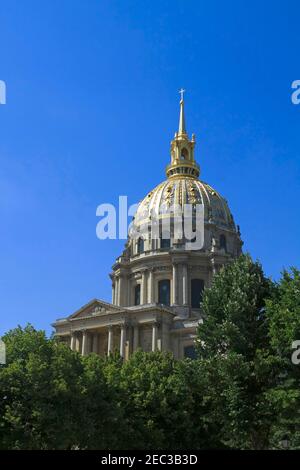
(183,187)
(180,191)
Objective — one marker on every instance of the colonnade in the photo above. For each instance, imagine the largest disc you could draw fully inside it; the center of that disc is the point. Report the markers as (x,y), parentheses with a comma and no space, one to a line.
(85,341)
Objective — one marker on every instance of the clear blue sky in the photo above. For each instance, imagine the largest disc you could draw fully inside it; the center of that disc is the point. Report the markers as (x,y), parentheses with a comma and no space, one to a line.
(92,104)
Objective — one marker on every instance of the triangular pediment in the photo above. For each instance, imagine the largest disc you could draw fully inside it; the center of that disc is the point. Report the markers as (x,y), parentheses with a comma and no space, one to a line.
(95,307)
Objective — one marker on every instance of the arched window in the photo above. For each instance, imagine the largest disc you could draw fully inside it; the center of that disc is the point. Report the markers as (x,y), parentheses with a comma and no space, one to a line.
(140,245)
(223,242)
(184,154)
(137,294)
(197,286)
(164,292)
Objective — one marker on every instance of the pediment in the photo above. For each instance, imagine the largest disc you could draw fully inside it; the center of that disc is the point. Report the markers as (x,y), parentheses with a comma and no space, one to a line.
(95,307)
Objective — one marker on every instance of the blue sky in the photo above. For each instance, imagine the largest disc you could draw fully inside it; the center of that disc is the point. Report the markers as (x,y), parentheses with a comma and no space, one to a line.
(92,104)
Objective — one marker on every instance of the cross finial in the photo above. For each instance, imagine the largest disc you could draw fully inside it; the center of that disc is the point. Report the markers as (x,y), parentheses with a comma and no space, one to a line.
(181,91)
(181,130)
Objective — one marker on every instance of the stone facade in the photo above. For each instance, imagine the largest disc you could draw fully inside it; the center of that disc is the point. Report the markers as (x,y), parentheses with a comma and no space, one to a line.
(156,282)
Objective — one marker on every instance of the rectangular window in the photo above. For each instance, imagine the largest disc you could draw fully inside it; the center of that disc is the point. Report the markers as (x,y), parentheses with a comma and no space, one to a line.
(197,291)
(164,292)
(165,243)
(137,294)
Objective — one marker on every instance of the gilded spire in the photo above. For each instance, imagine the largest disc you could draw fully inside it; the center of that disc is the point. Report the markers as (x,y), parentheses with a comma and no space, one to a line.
(181,129)
(182,150)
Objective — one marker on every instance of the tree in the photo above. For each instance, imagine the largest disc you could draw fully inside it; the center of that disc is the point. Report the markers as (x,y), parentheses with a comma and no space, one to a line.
(162,402)
(283,311)
(241,392)
(100,414)
(40,392)
(233,345)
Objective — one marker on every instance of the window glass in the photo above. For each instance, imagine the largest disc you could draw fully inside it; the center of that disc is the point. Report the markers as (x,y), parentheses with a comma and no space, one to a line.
(140,245)
(164,292)
(137,294)
(197,291)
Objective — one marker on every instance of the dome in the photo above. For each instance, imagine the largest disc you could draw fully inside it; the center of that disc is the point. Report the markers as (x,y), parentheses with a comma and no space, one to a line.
(180,191)
(157,215)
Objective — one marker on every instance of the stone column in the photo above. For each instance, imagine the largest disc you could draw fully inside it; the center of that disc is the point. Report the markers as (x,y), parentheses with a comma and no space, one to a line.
(77,342)
(174,290)
(144,289)
(154,336)
(89,343)
(120,291)
(165,335)
(110,343)
(73,342)
(116,292)
(122,340)
(95,343)
(113,294)
(135,337)
(213,266)
(84,343)
(184,284)
(125,291)
(151,287)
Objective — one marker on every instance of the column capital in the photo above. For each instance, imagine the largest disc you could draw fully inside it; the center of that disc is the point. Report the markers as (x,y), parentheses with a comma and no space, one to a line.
(180,259)
(73,332)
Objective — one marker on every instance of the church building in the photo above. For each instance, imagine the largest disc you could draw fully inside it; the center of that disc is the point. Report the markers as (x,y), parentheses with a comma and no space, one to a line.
(157,282)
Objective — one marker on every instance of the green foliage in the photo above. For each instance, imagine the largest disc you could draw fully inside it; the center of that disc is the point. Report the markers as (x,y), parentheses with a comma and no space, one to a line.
(101,417)
(241,392)
(160,398)
(52,398)
(283,311)
(234,310)
(232,342)
(39,392)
